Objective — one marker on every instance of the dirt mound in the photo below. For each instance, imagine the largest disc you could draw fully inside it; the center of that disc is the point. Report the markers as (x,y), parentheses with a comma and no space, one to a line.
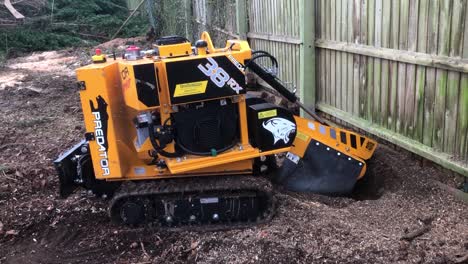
(41,116)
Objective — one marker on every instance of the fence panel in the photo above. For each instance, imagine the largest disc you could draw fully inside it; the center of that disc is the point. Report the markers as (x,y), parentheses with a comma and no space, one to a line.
(274,27)
(401,67)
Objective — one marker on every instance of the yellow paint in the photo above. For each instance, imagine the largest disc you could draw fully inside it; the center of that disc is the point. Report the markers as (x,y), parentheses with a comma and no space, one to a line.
(302,136)
(267,114)
(185,89)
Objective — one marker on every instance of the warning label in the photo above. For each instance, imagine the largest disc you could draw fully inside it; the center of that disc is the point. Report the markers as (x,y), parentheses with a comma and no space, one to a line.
(185,89)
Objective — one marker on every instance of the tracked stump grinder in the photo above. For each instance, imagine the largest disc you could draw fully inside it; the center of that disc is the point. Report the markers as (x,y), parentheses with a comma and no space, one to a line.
(173,139)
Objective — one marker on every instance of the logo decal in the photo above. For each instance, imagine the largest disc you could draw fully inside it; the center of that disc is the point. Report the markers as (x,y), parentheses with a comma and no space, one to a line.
(125,74)
(236,63)
(280,128)
(218,75)
(100,132)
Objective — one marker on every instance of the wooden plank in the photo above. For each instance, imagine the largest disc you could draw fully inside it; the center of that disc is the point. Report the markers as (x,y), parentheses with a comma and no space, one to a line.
(421,72)
(328,52)
(416,147)
(360,62)
(188,19)
(345,86)
(321,53)
(429,94)
(351,87)
(441,75)
(393,68)
(307,63)
(403,45)
(462,131)
(370,61)
(377,117)
(409,124)
(275,38)
(462,127)
(385,90)
(338,81)
(453,84)
(333,54)
(241,18)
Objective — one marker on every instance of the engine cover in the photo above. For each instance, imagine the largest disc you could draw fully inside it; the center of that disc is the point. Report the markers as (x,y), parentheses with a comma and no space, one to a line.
(270,126)
(208,129)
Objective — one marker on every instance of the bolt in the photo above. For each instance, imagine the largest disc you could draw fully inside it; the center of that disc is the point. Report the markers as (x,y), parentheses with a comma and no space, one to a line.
(241,148)
(168,219)
(178,159)
(84,149)
(193,218)
(262,158)
(339,154)
(215,217)
(328,148)
(349,158)
(360,164)
(317,144)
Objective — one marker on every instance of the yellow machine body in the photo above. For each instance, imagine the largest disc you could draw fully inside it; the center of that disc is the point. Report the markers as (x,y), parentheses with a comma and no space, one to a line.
(115,85)
(173,136)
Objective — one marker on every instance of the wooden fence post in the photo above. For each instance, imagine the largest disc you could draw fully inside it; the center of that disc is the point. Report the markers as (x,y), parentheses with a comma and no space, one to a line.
(188,19)
(241,18)
(307,51)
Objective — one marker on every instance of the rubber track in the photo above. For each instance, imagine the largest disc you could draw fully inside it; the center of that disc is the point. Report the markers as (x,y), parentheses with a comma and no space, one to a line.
(201,185)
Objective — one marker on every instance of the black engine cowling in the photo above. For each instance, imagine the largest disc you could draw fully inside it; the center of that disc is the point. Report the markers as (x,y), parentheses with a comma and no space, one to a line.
(207,128)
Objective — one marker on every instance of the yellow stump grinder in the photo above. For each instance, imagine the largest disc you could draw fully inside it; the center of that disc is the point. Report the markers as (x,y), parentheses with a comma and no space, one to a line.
(174,140)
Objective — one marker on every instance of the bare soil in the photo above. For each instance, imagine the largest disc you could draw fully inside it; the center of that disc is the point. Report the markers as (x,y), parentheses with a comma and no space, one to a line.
(40,116)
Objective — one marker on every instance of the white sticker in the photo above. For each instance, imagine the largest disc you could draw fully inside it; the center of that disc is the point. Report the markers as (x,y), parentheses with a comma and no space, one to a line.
(292,157)
(280,128)
(311,125)
(139,170)
(209,200)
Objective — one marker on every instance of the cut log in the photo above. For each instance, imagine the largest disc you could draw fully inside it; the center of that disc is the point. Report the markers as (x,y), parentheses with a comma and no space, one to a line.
(12,10)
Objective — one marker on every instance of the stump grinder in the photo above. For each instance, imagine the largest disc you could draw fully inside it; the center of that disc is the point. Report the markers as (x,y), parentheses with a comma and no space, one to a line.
(173,139)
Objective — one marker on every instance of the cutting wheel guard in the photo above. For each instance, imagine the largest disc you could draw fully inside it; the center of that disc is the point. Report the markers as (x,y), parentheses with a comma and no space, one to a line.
(322,170)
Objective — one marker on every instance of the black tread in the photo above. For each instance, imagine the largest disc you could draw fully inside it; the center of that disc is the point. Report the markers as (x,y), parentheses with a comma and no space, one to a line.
(178,186)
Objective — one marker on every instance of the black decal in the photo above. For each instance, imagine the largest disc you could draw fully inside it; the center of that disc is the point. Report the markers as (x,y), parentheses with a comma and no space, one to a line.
(145,80)
(187,71)
(103,117)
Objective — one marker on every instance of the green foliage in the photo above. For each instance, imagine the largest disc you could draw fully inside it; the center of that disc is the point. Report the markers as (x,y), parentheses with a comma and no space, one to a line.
(73,23)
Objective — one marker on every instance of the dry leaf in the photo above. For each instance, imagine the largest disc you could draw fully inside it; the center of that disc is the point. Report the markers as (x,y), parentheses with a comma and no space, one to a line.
(194,245)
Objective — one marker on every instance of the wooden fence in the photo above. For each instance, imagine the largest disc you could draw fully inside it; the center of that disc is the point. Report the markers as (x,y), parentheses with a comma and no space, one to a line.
(396,69)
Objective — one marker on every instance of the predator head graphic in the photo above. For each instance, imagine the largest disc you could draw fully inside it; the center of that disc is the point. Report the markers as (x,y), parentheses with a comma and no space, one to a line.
(280,128)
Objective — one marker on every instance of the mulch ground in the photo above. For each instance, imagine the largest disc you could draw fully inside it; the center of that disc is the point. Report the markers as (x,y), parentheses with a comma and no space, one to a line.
(40,116)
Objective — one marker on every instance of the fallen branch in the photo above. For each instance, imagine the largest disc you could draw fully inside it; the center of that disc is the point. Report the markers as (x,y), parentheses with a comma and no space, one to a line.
(459,259)
(416,233)
(12,10)
(12,144)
